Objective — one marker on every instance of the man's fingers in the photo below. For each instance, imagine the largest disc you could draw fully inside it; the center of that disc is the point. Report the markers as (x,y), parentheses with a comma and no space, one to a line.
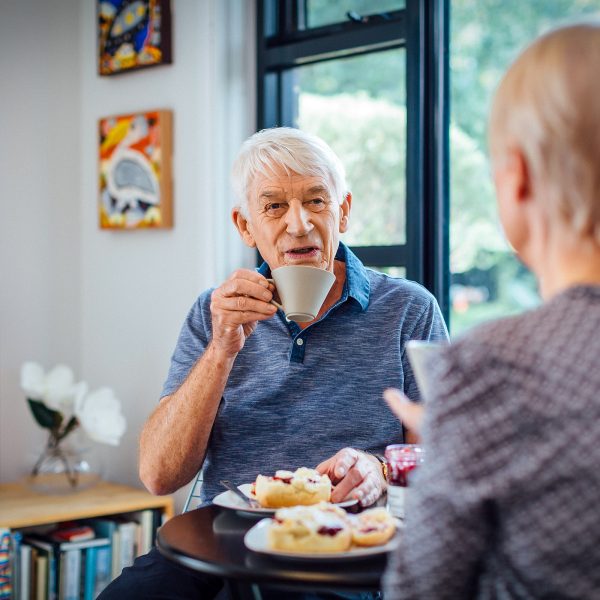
(240,304)
(338,465)
(354,475)
(245,287)
(344,488)
(369,490)
(250,275)
(348,484)
(410,413)
(346,460)
(324,466)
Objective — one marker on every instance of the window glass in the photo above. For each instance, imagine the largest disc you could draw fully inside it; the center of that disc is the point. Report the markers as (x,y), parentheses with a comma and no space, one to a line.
(326,12)
(487,281)
(392,271)
(358,106)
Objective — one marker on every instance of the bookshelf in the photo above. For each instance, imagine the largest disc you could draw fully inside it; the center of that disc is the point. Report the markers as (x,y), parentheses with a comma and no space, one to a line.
(124,520)
(22,507)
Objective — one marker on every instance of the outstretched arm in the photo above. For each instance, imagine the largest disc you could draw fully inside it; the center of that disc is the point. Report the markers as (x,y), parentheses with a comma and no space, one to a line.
(409,413)
(174,440)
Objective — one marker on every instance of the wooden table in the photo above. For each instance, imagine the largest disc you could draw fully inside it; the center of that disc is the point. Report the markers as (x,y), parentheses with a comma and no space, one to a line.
(211,540)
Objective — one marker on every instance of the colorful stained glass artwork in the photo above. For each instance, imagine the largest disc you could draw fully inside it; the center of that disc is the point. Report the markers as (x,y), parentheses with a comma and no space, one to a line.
(133,34)
(135,171)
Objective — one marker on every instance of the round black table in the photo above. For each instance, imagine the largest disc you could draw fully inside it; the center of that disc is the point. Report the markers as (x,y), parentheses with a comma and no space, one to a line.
(211,540)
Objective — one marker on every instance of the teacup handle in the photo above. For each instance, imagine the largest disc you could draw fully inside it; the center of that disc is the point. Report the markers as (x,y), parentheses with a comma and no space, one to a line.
(273,301)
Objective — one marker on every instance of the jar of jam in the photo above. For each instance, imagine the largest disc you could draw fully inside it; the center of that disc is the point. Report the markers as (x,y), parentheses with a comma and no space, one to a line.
(401,459)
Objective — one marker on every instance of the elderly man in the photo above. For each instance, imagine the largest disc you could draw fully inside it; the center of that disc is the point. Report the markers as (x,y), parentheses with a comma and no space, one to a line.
(249,392)
(506,504)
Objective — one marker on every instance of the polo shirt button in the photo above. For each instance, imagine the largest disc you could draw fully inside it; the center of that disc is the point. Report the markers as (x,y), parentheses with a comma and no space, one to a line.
(299,341)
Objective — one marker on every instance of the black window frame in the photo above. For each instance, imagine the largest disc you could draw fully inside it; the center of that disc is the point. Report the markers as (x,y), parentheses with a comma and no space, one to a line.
(422,28)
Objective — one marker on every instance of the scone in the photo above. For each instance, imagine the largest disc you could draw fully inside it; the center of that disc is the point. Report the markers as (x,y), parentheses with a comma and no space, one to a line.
(323,528)
(302,487)
(372,527)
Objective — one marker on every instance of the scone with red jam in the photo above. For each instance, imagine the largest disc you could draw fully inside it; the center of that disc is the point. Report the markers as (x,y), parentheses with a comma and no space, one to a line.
(302,487)
(372,527)
(323,528)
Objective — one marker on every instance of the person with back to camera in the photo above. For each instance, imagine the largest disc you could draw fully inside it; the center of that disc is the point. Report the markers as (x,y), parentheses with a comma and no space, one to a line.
(249,392)
(506,503)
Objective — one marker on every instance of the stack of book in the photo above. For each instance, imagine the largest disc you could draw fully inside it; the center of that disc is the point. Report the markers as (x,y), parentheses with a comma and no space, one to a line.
(75,560)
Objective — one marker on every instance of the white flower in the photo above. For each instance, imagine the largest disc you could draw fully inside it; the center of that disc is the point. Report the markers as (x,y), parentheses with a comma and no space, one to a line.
(60,389)
(32,380)
(99,413)
(56,389)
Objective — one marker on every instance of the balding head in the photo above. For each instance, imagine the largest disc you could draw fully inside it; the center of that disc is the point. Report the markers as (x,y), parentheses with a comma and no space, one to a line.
(548,105)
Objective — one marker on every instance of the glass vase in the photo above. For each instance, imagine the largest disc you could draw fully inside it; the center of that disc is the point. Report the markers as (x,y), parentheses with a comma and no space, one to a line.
(64,467)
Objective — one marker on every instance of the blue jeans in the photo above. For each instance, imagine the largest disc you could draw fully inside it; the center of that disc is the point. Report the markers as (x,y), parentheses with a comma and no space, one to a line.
(154,577)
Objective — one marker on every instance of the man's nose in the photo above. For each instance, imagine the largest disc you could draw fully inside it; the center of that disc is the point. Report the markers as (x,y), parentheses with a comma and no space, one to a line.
(297,219)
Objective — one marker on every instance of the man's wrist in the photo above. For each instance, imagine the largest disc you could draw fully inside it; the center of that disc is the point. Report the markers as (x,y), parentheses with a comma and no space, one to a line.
(220,355)
(384,466)
(382,463)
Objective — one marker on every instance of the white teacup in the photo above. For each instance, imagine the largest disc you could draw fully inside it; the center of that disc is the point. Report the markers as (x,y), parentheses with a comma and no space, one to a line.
(302,290)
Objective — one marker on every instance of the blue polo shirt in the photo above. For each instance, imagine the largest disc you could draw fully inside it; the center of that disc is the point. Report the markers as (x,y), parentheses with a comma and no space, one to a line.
(295,397)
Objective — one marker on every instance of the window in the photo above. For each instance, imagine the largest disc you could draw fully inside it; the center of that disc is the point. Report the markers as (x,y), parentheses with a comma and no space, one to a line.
(326,12)
(487,281)
(368,77)
(362,114)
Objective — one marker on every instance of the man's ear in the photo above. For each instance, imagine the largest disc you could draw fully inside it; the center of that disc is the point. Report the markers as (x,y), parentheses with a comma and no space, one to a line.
(242,225)
(345,207)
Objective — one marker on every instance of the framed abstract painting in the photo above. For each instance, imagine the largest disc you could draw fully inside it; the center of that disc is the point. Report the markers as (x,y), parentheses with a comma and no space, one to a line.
(133,34)
(135,186)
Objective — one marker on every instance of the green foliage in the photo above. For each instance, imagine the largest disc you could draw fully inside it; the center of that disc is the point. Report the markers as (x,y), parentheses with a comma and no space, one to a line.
(370,138)
(44,416)
(379,75)
(475,230)
(52,420)
(485,37)
(357,105)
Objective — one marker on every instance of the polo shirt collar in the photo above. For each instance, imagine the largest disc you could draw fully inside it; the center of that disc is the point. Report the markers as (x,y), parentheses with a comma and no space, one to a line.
(357,284)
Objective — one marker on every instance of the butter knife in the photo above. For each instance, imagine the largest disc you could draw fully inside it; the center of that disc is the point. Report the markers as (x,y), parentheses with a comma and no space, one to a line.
(236,490)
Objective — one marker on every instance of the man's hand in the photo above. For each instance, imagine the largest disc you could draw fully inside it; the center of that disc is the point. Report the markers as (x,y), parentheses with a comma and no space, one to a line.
(354,474)
(236,307)
(410,413)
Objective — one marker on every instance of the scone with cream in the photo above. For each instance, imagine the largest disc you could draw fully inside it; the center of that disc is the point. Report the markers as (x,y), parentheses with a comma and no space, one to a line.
(372,527)
(323,528)
(302,487)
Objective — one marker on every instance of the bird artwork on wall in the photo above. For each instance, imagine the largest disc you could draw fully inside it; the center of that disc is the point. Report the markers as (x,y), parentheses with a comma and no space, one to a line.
(135,171)
(133,34)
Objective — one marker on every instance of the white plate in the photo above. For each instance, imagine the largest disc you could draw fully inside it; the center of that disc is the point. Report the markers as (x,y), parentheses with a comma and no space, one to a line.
(256,540)
(229,500)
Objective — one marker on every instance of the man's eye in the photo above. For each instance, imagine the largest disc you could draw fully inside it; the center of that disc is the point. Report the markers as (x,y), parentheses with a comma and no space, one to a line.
(275,209)
(316,203)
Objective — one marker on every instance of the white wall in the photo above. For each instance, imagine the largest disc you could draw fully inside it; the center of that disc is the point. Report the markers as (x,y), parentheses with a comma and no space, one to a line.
(40,224)
(131,290)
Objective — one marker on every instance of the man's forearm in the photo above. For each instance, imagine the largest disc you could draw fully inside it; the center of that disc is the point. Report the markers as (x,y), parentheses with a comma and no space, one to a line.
(174,440)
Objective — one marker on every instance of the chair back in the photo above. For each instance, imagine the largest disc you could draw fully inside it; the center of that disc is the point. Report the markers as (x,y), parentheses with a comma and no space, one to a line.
(194,500)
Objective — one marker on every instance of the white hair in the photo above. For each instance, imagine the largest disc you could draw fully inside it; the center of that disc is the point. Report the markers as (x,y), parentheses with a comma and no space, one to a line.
(293,150)
(549,104)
